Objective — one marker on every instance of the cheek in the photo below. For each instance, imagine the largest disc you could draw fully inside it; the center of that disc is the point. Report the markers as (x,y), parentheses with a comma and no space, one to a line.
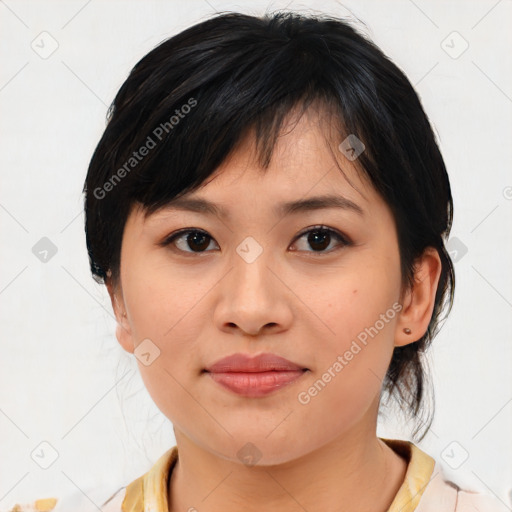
(350,365)
(351,360)
(161,300)
(354,302)
(163,308)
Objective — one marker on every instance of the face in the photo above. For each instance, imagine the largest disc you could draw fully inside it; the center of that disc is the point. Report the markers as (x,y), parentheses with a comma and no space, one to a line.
(319,287)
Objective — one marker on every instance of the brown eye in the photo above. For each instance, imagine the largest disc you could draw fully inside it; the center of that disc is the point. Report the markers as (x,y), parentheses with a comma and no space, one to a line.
(319,238)
(190,241)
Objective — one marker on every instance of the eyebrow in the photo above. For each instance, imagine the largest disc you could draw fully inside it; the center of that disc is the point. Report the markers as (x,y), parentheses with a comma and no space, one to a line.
(199,205)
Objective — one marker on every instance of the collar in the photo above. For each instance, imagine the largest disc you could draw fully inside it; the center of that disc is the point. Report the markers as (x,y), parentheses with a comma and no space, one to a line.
(148,493)
(419,471)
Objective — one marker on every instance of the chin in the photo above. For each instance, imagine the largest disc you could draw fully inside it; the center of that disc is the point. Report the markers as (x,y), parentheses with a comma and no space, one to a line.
(260,450)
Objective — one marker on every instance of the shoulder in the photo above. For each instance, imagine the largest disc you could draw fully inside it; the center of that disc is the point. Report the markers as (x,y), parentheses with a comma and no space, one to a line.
(441,494)
(114,503)
(474,501)
(142,493)
(104,500)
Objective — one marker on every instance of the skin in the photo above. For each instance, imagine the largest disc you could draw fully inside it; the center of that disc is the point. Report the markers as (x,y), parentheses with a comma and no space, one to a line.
(300,303)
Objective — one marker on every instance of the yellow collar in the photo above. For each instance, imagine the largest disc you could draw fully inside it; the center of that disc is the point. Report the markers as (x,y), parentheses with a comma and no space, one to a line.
(417,476)
(149,492)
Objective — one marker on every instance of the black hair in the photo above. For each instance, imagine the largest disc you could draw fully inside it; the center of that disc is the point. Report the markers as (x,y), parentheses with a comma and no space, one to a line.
(187,104)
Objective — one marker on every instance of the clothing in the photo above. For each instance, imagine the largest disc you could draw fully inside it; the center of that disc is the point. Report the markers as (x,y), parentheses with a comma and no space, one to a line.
(425,488)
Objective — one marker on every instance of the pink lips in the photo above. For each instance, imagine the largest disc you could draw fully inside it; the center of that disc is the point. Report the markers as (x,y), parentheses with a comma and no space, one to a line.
(254,376)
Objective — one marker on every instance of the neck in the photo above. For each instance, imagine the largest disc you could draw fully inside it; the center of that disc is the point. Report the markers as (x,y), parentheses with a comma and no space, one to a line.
(355,472)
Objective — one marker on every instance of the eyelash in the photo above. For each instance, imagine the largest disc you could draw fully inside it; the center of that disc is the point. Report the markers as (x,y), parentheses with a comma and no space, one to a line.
(344,240)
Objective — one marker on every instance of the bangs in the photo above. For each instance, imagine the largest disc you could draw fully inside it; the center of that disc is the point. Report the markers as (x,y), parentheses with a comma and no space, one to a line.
(191,125)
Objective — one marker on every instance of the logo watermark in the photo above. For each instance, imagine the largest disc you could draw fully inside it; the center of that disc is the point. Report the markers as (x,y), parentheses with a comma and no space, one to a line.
(143,151)
(304,397)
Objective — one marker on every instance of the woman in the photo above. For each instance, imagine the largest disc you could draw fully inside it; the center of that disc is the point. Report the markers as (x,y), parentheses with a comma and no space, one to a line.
(268,209)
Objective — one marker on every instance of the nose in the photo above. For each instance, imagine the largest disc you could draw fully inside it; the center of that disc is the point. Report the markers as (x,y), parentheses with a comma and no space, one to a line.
(253,298)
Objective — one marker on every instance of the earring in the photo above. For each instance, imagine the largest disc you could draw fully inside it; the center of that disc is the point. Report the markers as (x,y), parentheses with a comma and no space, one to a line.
(407,330)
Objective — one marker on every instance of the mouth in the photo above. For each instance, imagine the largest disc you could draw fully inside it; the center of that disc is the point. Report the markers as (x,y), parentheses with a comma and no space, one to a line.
(254,376)
(256,384)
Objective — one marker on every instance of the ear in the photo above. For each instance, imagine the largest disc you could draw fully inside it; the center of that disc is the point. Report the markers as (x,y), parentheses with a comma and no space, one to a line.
(123,329)
(418,303)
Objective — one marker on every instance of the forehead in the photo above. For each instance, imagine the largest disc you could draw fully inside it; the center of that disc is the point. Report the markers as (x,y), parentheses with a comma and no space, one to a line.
(306,167)
(198,204)
(307,171)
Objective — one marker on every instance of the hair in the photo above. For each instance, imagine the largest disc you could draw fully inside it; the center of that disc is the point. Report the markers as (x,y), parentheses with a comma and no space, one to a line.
(189,102)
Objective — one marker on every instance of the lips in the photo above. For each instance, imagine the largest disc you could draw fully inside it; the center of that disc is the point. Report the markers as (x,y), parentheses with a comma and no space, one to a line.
(254,376)
(247,364)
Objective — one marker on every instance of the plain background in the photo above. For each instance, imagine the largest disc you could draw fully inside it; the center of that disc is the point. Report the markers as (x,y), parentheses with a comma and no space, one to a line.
(64,380)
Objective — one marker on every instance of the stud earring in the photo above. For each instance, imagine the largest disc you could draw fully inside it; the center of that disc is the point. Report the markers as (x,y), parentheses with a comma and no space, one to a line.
(407,330)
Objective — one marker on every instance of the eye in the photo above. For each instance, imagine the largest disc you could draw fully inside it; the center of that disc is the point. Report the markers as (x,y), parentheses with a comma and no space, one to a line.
(320,237)
(195,239)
